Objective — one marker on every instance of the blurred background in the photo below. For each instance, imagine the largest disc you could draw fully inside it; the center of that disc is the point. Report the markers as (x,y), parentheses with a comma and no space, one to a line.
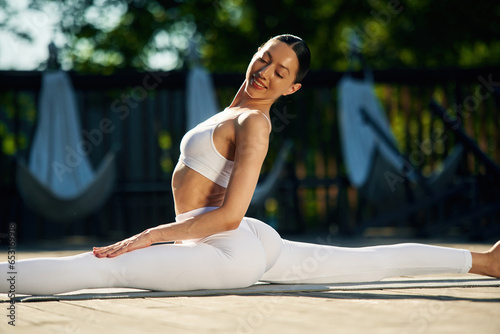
(129,61)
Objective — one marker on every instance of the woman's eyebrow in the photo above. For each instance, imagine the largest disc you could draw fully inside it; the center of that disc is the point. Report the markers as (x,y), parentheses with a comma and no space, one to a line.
(271,57)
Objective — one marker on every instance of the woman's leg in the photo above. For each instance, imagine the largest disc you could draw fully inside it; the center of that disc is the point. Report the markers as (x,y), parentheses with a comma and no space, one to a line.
(322,264)
(270,240)
(226,260)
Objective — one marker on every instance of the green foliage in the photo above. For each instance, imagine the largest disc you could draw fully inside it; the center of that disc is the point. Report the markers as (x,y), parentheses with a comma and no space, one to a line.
(393,33)
(13,133)
(8,22)
(448,33)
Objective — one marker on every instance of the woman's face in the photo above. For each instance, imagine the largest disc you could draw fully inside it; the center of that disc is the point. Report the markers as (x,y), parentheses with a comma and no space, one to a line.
(272,72)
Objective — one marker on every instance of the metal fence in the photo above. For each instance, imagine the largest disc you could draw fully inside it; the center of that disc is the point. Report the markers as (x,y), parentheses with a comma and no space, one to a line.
(147,112)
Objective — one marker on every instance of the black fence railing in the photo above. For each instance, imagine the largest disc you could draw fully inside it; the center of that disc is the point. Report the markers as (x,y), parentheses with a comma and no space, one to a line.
(147,111)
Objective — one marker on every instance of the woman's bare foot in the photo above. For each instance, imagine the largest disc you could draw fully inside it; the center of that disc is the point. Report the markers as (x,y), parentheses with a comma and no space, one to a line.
(487,263)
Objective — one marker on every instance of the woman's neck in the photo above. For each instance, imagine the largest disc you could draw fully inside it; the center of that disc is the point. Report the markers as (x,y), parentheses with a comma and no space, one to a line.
(243,100)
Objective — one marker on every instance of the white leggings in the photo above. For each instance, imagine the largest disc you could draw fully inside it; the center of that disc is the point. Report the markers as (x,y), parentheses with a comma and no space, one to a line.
(234,259)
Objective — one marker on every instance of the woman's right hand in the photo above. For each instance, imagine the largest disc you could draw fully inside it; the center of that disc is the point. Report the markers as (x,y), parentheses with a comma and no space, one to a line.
(138,241)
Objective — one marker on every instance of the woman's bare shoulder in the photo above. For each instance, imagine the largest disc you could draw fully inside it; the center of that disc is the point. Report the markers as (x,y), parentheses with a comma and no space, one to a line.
(253,120)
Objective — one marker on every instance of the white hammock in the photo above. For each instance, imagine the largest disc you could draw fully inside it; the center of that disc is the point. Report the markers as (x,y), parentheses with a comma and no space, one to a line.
(372,165)
(201,103)
(59,183)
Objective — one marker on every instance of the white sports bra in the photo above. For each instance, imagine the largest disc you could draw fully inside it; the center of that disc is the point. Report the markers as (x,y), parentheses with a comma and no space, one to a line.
(198,152)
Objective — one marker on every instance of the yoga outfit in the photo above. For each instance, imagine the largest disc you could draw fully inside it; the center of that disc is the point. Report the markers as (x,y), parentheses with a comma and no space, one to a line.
(198,152)
(232,259)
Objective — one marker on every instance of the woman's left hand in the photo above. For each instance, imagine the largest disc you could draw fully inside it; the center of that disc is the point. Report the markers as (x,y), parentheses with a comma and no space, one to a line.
(141,240)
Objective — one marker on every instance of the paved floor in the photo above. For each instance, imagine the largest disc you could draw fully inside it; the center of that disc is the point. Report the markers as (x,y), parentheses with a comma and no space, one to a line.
(447,310)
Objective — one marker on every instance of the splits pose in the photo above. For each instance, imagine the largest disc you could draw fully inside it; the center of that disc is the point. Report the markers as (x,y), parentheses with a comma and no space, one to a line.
(216,246)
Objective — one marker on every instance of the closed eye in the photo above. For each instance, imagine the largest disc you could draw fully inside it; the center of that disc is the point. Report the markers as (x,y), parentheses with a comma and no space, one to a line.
(262,60)
(279,75)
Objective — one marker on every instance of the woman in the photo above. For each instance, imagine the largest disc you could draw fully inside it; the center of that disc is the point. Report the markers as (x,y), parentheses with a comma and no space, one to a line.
(215,245)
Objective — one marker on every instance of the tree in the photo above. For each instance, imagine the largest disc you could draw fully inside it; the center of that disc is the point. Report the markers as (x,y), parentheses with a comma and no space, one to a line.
(7,16)
(394,33)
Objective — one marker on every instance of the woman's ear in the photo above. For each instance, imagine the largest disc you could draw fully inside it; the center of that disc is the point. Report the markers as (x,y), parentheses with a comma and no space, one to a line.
(293,88)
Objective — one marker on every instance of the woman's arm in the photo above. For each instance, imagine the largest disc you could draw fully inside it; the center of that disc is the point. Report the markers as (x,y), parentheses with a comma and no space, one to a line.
(251,144)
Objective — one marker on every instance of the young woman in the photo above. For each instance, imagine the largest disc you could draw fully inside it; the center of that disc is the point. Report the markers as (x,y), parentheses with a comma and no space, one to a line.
(216,246)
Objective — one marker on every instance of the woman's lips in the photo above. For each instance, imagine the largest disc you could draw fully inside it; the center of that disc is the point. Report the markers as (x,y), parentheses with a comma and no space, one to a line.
(257,83)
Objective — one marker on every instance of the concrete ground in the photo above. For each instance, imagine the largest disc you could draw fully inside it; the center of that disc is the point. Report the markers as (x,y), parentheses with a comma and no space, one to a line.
(402,311)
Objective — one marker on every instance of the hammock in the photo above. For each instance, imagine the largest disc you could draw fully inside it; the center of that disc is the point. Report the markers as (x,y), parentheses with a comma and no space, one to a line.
(374,165)
(59,183)
(264,188)
(201,103)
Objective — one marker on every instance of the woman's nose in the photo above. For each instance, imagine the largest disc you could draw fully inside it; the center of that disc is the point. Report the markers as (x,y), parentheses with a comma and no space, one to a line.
(264,71)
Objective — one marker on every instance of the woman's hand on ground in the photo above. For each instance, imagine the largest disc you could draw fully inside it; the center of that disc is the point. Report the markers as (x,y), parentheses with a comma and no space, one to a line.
(138,241)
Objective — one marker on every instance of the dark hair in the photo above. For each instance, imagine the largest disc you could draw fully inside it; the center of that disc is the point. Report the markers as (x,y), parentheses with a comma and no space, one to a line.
(301,50)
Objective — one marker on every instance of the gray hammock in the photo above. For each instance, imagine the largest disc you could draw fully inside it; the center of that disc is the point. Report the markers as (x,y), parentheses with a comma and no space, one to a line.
(374,165)
(269,184)
(59,183)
